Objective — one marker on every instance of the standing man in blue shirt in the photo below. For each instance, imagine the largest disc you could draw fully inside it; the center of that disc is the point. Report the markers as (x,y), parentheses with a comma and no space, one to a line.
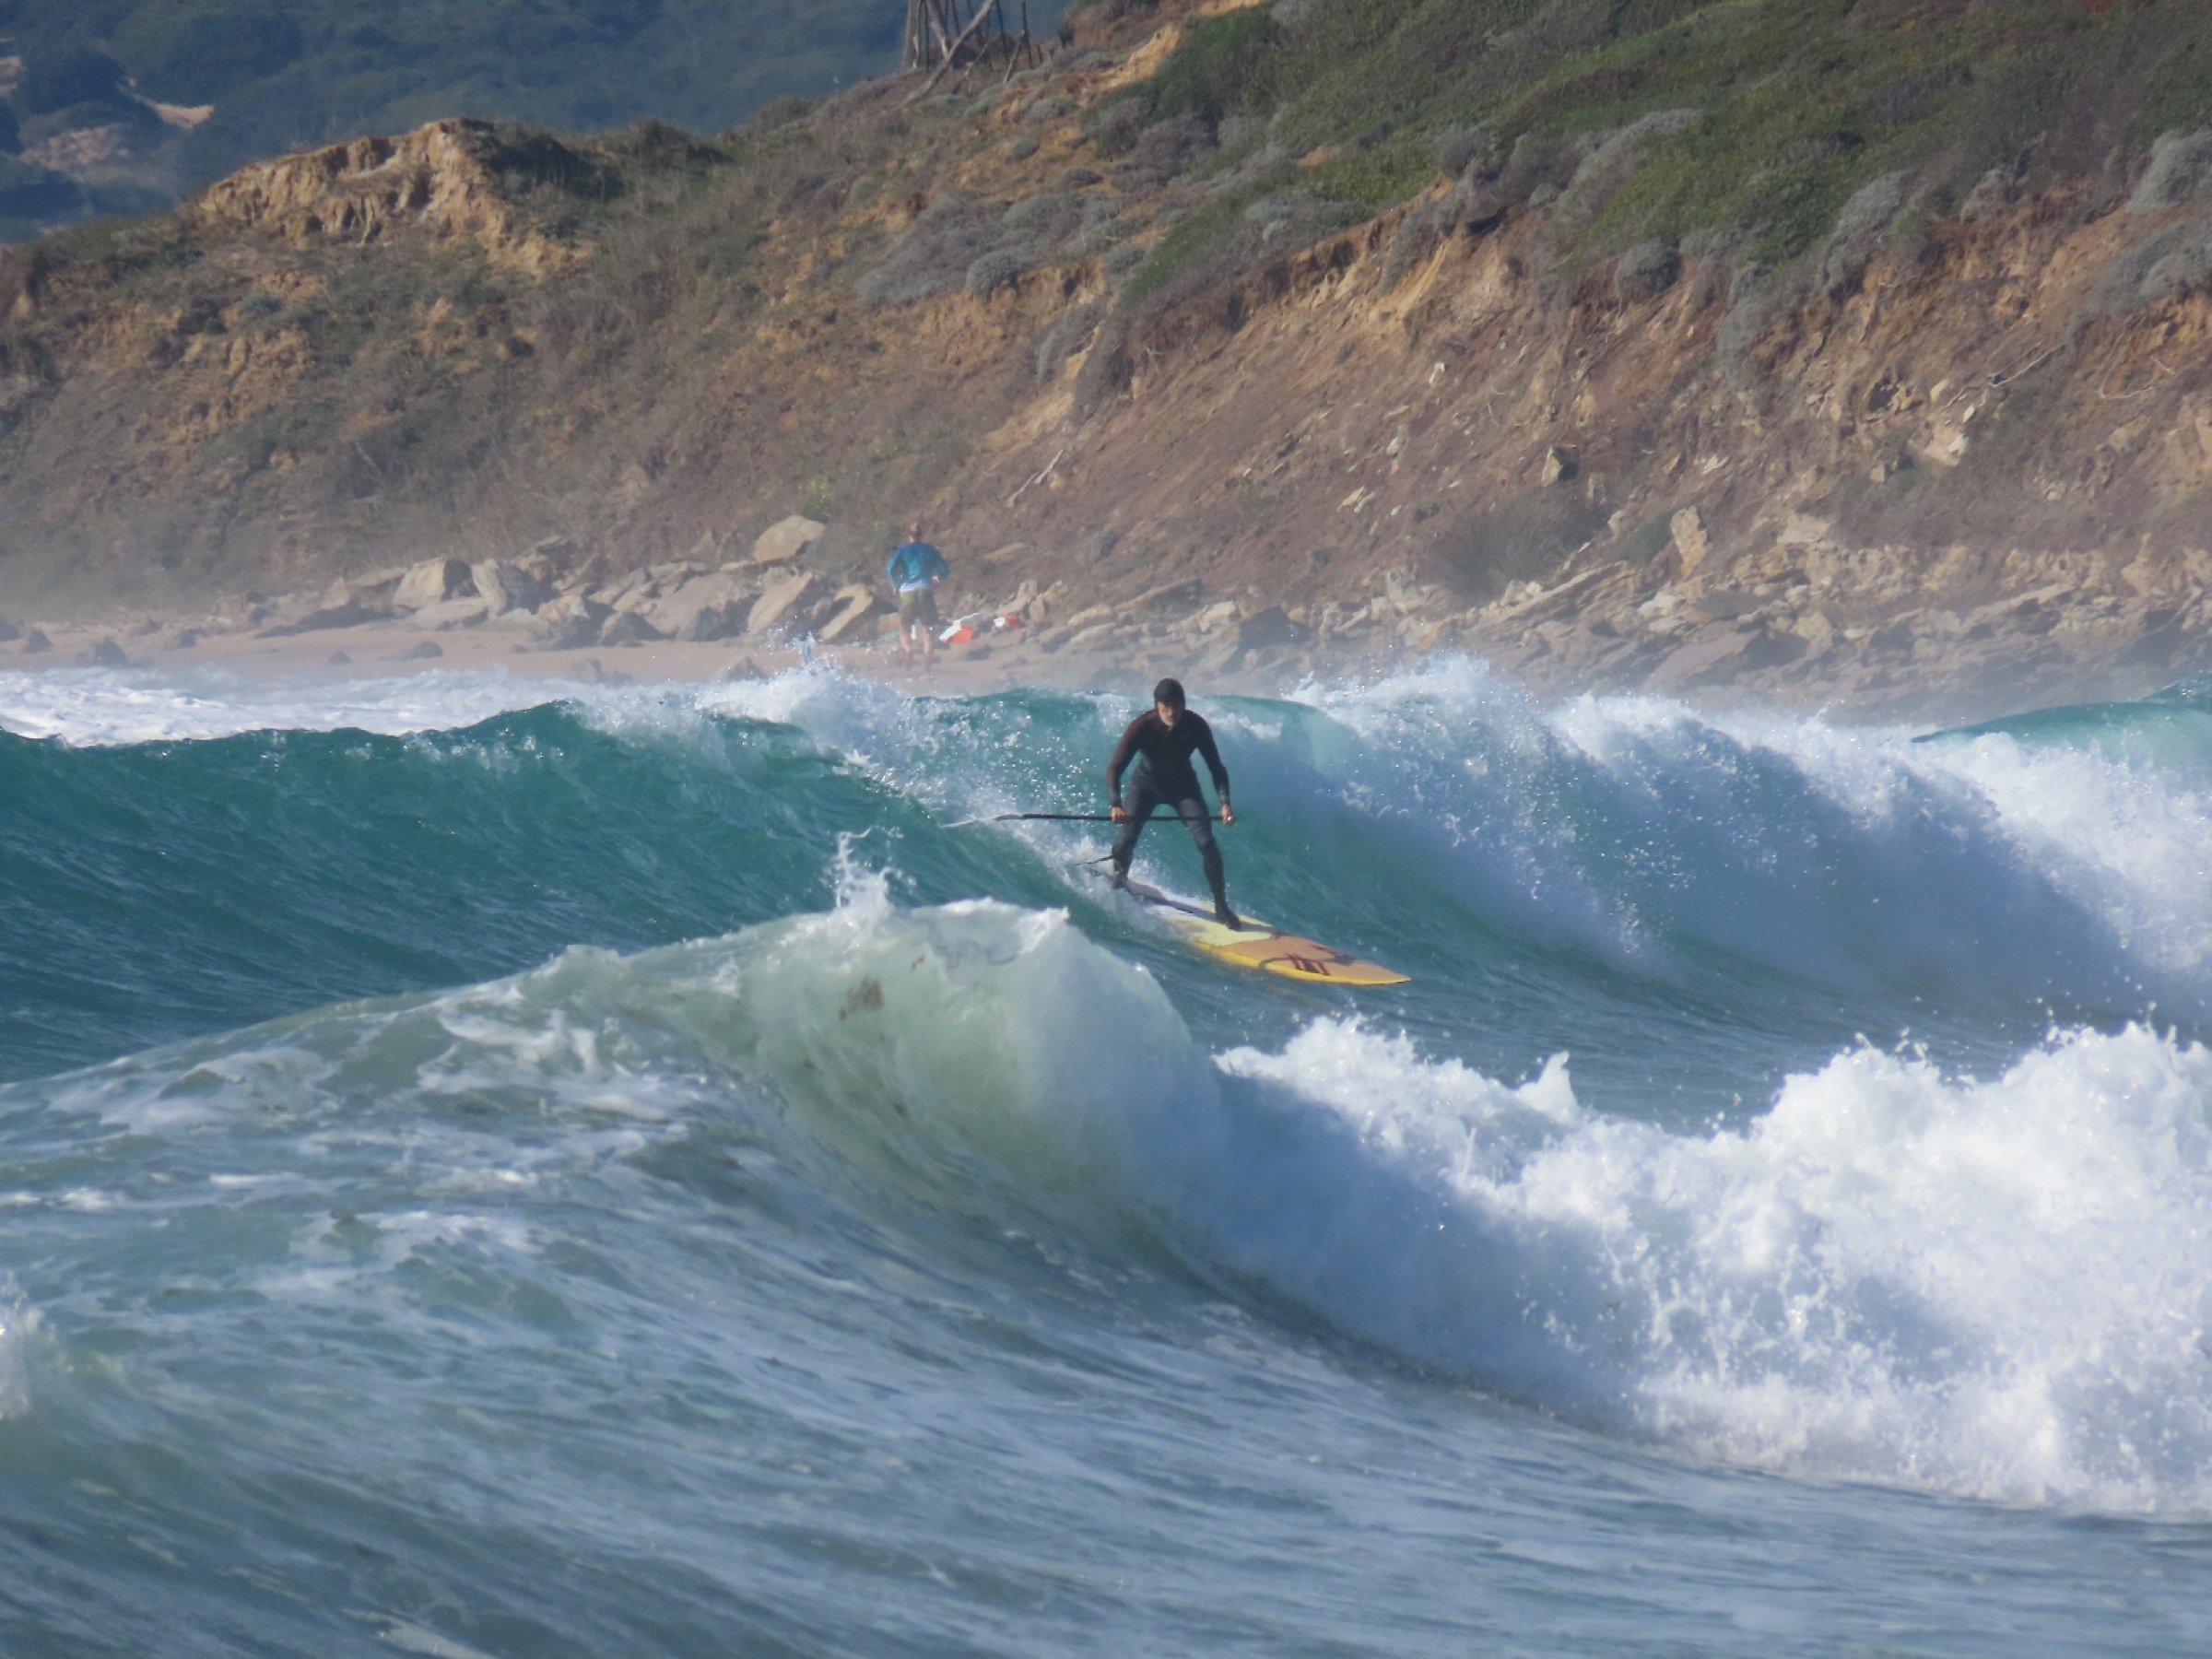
(916,568)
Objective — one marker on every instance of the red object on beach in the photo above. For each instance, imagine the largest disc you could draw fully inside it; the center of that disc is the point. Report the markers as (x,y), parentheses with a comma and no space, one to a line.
(961,630)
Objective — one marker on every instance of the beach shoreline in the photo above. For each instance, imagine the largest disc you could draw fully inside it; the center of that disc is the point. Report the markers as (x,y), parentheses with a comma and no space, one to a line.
(394,649)
(271,646)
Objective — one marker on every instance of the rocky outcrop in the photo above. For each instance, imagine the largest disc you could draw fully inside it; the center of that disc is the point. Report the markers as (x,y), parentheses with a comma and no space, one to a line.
(786,601)
(442,179)
(433,581)
(786,540)
(710,606)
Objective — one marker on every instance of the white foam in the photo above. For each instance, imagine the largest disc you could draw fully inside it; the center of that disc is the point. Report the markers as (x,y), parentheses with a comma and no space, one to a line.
(1630,826)
(94,708)
(19,1327)
(99,708)
(1998,1288)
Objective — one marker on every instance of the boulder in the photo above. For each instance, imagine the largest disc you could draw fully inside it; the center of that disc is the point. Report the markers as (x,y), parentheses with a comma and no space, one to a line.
(704,607)
(1690,540)
(107,654)
(422,651)
(372,589)
(786,540)
(183,639)
(1169,595)
(35,641)
(287,610)
(451,613)
(570,621)
(1708,656)
(779,604)
(628,627)
(351,614)
(853,610)
(432,582)
(1207,620)
(626,593)
(505,586)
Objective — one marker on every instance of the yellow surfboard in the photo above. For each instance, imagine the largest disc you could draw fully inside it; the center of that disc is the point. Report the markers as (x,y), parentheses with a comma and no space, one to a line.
(1259,945)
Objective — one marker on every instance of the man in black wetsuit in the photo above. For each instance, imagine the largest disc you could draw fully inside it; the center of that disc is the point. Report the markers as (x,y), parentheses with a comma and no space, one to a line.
(1161,741)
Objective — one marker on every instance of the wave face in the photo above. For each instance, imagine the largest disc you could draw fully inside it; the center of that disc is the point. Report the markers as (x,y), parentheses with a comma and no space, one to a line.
(637,1156)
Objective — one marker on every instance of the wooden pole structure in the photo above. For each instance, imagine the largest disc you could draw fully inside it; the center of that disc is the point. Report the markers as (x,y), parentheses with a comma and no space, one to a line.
(981,14)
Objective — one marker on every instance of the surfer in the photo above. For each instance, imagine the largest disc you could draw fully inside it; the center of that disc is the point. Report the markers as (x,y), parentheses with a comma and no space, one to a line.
(1161,742)
(914,569)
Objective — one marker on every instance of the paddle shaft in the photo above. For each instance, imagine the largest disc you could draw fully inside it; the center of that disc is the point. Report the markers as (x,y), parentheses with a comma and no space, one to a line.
(1063,818)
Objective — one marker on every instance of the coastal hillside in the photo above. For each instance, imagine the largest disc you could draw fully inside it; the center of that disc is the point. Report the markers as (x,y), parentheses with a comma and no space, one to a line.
(1852,349)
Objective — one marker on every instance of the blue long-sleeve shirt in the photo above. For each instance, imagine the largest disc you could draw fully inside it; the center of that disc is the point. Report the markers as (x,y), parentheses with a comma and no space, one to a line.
(916,564)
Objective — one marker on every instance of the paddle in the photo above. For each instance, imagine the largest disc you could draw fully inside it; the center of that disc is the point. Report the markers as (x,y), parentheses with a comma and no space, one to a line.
(1009,817)
(1057,818)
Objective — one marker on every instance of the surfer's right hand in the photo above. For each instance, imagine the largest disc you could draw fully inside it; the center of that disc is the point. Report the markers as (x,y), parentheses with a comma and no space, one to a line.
(1120,815)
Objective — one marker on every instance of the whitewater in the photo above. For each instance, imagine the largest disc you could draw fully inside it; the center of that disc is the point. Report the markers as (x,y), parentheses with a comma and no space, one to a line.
(500,1167)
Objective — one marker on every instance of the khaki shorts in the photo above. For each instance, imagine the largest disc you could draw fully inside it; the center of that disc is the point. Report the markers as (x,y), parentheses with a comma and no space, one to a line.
(919,604)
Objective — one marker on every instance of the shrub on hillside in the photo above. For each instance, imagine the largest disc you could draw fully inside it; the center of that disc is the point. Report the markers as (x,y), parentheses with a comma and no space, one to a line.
(1646,271)
(1463,151)
(1114,122)
(1164,151)
(960,241)
(2185,265)
(934,256)
(1221,67)
(1859,228)
(992,271)
(1069,334)
(2181,170)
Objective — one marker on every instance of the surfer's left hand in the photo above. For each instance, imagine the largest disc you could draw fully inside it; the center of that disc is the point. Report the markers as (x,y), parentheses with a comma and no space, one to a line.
(1228,813)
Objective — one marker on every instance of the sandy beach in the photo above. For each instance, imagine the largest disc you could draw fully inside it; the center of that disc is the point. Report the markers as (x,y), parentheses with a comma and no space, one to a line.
(334,654)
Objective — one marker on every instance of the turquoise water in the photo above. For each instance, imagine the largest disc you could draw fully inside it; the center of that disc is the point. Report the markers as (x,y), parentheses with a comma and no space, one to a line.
(491,1169)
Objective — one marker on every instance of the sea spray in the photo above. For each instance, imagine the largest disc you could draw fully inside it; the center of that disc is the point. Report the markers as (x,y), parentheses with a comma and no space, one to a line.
(2000,1289)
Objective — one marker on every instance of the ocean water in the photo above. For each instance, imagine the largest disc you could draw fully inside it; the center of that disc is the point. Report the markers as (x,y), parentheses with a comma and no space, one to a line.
(492,1169)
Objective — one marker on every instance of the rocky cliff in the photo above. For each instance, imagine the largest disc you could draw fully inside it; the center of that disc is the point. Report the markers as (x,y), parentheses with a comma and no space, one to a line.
(1236,406)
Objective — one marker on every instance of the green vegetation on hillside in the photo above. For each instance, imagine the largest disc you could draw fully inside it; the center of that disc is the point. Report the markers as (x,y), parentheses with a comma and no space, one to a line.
(1750,124)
